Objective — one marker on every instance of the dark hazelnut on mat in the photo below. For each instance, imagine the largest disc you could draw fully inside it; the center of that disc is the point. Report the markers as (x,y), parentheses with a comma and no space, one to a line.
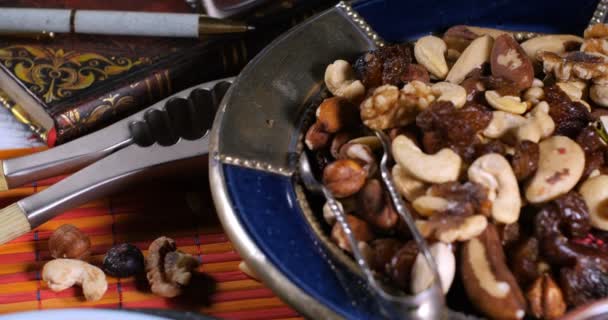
(123,260)
(67,241)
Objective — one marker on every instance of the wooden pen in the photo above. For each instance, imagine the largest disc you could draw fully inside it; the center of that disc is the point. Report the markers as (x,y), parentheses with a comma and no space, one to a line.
(133,23)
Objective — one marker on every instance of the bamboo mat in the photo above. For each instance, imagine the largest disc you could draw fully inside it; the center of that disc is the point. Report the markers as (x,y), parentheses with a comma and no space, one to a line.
(181,211)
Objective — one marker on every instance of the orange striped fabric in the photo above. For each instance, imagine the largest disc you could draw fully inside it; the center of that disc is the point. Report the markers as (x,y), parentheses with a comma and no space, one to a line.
(182,211)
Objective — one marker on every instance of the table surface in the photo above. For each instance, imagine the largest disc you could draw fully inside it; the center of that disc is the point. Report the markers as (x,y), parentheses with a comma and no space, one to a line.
(180,209)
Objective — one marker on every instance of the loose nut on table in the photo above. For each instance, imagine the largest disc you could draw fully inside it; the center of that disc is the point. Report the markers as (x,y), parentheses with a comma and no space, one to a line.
(560,166)
(495,173)
(341,81)
(454,93)
(476,54)
(167,269)
(595,193)
(430,53)
(408,186)
(443,166)
(344,177)
(61,274)
(502,122)
(556,43)
(67,241)
(512,104)
(509,61)
(538,124)
(545,298)
(422,276)
(488,281)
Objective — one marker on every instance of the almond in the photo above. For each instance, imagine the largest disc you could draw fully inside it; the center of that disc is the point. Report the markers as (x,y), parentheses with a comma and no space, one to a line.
(510,61)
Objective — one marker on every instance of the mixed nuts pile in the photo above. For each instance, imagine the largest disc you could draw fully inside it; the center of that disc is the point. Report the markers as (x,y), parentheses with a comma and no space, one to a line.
(499,151)
(168,270)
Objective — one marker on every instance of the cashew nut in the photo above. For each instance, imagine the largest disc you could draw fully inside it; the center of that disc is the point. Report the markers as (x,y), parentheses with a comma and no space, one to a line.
(429,52)
(574,89)
(553,43)
(441,167)
(511,104)
(341,82)
(538,125)
(495,173)
(537,83)
(599,94)
(476,54)
(408,186)
(428,205)
(534,94)
(595,193)
(560,166)
(469,228)
(61,274)
(422,276)
(501,123)
(450,92)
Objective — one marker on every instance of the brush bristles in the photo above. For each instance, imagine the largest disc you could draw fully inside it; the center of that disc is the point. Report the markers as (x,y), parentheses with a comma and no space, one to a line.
(3,183)
(13,223)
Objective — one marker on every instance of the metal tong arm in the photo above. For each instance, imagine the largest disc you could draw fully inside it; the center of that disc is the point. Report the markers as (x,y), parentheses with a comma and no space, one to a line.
(106,176)
(83,151)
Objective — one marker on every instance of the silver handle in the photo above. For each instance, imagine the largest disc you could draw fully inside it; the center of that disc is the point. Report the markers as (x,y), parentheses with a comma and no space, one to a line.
(106,176)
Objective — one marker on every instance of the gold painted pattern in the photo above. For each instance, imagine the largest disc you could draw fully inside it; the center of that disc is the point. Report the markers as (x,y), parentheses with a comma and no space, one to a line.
(57,74)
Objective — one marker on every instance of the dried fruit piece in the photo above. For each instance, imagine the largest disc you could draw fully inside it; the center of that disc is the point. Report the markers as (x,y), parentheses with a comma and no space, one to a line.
(525,159)
(510,61)
(569,117)
(386,65)
(123,260)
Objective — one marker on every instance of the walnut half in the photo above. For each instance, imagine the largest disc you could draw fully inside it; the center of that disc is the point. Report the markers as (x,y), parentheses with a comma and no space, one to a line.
(168,269)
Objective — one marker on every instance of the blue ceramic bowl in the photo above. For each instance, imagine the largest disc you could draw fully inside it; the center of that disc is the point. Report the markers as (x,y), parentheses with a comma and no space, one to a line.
(258,130)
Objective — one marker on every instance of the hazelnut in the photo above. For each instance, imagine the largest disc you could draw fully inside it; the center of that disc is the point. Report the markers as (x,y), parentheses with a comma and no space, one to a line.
(316,138)
(375,206)
(545,298)
(344,178)
(361,232)
(69,242)
(335,114)
(123,260)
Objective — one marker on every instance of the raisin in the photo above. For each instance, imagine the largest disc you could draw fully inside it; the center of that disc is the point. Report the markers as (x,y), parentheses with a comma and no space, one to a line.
(493,146)
(123,260)
(586,282)
(523,261)
(445,126)
(415,71)
(383,251)
(570,117)
(525,159)
(387,65)
(400,266)
(594,149)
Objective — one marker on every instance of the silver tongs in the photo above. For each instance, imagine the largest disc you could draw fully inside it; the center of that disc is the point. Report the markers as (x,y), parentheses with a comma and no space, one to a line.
(173,129)
(393,304)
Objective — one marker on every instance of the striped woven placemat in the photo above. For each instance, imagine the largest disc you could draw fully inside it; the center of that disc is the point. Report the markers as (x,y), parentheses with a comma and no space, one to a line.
(181,211)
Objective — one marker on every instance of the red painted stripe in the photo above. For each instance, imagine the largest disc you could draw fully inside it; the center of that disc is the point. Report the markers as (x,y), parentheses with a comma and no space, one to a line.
(242,295)
(50,181)
(274,313)
(18,277)
(228,276)
(220,257)
(17,297)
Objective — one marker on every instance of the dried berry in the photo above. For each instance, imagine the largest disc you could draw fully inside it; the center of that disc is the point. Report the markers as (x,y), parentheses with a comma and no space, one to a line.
(69,242)
(445,126)
(586,282)
(387,65)
(400,266)
(503,86)
(525,159)
(383,251)
(594,149)
(569,117)
(123,260)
